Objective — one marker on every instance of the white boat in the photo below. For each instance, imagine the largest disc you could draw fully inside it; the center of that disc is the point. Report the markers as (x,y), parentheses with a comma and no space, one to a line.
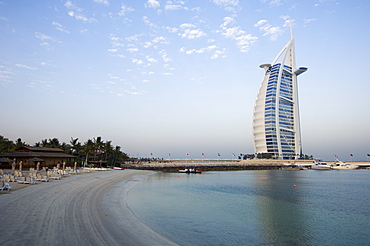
(320,166)
(338,165)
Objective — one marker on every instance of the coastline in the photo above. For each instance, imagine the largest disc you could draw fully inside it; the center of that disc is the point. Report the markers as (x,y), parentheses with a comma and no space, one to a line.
(87,209)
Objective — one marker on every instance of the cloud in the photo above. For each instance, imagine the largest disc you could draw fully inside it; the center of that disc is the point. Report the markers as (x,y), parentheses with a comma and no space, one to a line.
(191,33)
(171,29)
(164,56)
(273,32)
(187,25)
(137,61)
(229,5)
(306,21)
(5,75)
(45,38)
(151,59)
(59,27)
(243,40)
(125,10)
(70,5)
(25,67)
(172,7)
(76,12)
(175,5)
(275,3)
(152,4)
(42,36)
(78,16)
(148,23)
(105,2)
(132,50)
(209,49)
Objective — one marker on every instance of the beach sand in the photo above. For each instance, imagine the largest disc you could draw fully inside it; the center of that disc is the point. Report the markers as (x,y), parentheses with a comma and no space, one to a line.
(86,209)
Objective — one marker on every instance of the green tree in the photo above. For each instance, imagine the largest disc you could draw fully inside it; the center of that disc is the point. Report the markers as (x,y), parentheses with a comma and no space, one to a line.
(6,145)
(75,146)
(87,149)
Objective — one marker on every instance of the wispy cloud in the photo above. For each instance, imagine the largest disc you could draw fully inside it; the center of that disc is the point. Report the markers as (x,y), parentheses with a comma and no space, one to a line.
(104,2)
(81,17)
(148,23)
(137,61)
(59,27)
(229,5)
(43,36)
(216,53)
(175,5)
(190,31)
(45,40)
(269,30)
(306,21)
(164,56)
(243,40)
(76,12)
(125,10)
(25,66)
(152,4)
(272,2)
(5,75)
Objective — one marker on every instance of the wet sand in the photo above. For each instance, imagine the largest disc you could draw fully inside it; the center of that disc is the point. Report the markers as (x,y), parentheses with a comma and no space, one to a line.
(84,209)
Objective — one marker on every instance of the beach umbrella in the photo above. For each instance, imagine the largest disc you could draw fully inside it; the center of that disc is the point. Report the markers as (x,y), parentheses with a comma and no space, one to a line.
(5,159)
(20,166)
(37,166)
(13,166)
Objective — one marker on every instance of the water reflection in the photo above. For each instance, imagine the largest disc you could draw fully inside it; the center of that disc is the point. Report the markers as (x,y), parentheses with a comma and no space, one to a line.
(281,214)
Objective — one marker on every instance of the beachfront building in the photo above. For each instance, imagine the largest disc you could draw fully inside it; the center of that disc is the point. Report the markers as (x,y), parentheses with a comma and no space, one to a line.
(30,156)
(276,124)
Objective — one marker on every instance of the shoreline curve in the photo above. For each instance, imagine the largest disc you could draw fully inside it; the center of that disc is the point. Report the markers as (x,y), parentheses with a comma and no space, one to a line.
(88,209)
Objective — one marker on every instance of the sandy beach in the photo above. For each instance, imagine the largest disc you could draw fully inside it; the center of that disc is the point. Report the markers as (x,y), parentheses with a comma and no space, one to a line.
(86,209)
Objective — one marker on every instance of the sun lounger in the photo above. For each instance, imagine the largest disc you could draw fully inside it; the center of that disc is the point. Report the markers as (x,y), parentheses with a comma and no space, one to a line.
(29,180)
(21,180)
(56,175)
(5,186)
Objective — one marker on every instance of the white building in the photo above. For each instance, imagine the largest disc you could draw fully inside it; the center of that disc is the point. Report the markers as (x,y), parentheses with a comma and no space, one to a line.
(276,123)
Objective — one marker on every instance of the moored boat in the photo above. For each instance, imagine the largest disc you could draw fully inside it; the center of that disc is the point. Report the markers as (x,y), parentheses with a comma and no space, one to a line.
(190,170)
(339,165)
(118,168)
(320,166)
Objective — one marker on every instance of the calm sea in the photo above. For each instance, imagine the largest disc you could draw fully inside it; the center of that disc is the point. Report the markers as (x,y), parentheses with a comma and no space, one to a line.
(272,207)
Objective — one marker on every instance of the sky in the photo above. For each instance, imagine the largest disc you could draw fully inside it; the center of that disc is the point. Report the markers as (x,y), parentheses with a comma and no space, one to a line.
(160,77)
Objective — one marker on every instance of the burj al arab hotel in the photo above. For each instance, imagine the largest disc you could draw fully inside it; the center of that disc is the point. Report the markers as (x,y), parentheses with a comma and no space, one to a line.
(276,123)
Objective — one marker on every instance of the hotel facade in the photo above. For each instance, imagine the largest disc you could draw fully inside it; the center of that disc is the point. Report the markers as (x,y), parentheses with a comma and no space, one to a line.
(276,123)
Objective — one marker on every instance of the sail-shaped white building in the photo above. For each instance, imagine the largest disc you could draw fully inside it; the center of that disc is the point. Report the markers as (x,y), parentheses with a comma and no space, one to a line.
(276,123)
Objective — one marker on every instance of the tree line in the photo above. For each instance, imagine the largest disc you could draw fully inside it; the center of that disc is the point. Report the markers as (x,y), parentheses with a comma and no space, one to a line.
(93,150)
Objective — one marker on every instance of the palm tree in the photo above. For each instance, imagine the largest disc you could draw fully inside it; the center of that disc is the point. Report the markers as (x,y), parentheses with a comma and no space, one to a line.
(108,150)
(44,143)
(19,143)
(87,149)
(98,144)
(54,143)
(76,146)
(5,145)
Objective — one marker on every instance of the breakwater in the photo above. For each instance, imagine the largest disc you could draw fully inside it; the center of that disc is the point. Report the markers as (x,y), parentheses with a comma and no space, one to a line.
(175,166)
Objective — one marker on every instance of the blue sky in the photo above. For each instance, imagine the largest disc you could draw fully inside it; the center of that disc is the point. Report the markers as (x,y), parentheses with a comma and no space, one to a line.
(181,77)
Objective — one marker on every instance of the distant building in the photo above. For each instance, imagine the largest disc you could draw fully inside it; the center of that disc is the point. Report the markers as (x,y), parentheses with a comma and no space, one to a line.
(276,123)
(48,157)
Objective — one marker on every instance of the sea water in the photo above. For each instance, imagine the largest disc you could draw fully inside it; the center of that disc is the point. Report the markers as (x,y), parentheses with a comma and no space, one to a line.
(269,207)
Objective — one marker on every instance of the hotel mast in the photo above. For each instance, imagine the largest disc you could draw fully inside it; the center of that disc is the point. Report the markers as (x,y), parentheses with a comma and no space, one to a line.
(276,123)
